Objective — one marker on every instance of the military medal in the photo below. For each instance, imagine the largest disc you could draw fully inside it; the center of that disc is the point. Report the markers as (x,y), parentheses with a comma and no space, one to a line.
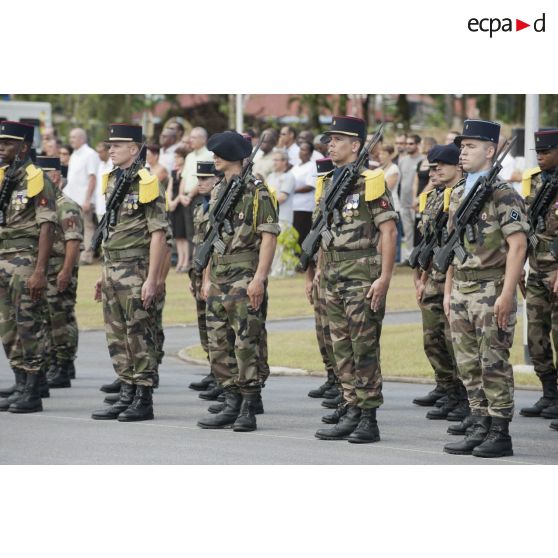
(135,206)
(350,213)
(241,215)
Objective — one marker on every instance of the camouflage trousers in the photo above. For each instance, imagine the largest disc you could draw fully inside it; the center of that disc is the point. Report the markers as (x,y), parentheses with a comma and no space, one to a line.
(542,315)
(21,319)
(131,330)
(159,329)
(237,337)
(355,331)
(61,329)
(437,336)
(196,280)
(323,334)
(481,348)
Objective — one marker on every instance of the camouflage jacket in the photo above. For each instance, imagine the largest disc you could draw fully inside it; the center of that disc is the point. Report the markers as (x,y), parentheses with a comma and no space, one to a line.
(541,259)
(32,203)
(69,224)
(254,213)
(502,214)
(430,203)
(142,212)
(365,208)
(201,218)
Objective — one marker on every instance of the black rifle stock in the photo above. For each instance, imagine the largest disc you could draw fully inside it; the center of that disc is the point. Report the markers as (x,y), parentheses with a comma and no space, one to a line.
(432,239)
(219,213)
(8,185)
(115,200)
(467,215)
(331,199)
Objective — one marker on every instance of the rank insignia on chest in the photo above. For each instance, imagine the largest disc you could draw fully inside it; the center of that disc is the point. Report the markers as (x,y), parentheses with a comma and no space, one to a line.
(483,216)
(131,202)
(270,219)
(383,204)
(351,202)
(19,201)
(514,215)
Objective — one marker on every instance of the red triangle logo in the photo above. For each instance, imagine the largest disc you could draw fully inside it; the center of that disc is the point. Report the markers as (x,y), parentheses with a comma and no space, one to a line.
(519,25)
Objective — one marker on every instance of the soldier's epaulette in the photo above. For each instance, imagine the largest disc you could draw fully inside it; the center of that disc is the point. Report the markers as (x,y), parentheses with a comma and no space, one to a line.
(35,180)
(148,186)
(447,197)
(526,180)
(2,172)
(320,186)
(105,179)
(375,184)
(423,199)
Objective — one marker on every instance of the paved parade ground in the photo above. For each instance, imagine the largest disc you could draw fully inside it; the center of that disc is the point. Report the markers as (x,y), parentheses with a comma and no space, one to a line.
(65,434)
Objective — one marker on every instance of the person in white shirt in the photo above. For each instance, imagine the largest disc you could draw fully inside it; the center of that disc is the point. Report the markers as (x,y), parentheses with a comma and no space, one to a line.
(392,176)
(512,167)
(105,166)
(308,136)
(303,203)
(168,142)
(287,140)
(263,159)
(82,180)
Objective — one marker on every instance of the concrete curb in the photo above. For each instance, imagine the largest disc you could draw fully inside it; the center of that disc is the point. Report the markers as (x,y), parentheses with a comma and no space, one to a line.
(285,371)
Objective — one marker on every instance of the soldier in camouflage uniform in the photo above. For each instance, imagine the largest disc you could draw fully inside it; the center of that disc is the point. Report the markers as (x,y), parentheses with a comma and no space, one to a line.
(357,267)
(542,282)
(207,178)
(429,285)
(134,252)
(61,328)
(315,292)
(26,236)
(235,287)
(482,293)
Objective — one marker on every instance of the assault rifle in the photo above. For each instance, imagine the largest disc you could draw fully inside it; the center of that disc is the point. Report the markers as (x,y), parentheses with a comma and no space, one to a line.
(116,198)
(539,208)
(331,201)
(8,185)
(467,215)
(219,214)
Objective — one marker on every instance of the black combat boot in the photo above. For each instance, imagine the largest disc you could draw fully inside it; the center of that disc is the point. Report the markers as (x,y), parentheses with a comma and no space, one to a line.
(463,427)
(52,365)
(215,408)
(498,443)
(554,425)
(246,421)
(475,437)
(441,413)
(320,391)
(462,409)
(332,392)
(228,415)
(155,380)
(221,397)
(44,390)
(111,398)
(335,417)
(549,398)
(127,392)
(141,407)
(19,386)
(347,423)
(204,384)
(367,431)
(114,387)
(30,400)
(431,397)
(550,412)
(72,370)
(212,394)
(61,378)
(333,403)
(442,401)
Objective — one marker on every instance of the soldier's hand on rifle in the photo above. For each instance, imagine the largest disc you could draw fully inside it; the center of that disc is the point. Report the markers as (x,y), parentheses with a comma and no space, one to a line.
(255,292)
(63,280)
(377,293)
(148,292)
(98,293)
(419,290)
(205,290)
(36,284)
(502,309)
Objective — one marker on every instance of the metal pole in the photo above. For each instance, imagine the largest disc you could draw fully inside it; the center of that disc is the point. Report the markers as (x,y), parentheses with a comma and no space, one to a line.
(239,113)
(531,126)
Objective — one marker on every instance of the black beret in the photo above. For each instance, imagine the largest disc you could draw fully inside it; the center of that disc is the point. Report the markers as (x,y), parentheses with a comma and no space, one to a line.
(484,130)
(230,146)
(17,131)
(448,154)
